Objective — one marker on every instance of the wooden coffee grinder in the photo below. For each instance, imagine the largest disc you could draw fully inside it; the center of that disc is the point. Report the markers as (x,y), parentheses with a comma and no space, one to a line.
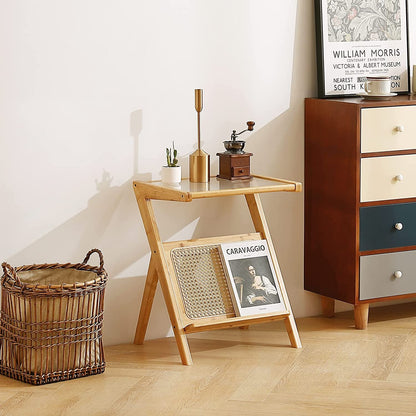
(234,162)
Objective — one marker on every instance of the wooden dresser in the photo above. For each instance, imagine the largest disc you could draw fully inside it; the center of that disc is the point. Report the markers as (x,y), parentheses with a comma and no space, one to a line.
(360,201)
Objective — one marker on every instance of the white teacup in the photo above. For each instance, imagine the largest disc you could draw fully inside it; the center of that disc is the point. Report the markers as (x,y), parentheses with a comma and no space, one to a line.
(378,86)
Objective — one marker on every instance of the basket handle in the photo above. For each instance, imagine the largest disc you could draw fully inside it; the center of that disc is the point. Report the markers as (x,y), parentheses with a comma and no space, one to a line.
(95,250)
(11,272)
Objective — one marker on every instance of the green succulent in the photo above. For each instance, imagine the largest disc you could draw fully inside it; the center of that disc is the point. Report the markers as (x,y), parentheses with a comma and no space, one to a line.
(171,156)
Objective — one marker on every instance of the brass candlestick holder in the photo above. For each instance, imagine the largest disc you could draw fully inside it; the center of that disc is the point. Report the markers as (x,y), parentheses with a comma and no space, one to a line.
(199,164)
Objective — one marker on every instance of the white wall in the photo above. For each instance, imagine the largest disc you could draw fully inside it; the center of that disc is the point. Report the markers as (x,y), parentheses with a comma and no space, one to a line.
(92,91)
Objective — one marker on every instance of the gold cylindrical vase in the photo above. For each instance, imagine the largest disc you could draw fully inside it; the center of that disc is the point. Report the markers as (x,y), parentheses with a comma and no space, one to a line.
(199,166)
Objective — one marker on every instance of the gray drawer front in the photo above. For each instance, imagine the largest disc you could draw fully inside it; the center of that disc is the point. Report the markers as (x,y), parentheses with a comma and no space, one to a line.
(377,279)
(377,226)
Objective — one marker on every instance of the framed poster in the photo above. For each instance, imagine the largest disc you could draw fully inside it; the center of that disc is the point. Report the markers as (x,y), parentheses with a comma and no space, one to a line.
(252,279)
(360,38)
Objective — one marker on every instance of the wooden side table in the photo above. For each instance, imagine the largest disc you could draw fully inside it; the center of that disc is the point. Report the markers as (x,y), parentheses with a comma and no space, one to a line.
(162,268)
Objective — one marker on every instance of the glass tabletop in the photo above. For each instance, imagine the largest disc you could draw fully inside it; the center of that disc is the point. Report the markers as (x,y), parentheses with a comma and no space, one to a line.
(186,190)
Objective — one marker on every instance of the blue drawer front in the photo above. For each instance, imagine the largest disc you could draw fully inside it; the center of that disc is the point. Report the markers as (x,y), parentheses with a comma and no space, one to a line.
(377,226)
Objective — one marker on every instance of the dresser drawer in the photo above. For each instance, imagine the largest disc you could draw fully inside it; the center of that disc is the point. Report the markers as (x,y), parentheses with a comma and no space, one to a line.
(390,177)
(388,128)
(391,274)
(387,226)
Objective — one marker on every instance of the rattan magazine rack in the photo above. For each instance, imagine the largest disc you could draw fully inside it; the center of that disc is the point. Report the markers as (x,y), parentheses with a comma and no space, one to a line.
(51,321)
(190,271)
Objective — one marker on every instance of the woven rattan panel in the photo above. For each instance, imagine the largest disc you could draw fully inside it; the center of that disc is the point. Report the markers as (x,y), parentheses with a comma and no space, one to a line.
(202,281)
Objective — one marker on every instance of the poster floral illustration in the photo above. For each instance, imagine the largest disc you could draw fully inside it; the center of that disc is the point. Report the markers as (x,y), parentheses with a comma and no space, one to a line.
(364,20)
(360,38)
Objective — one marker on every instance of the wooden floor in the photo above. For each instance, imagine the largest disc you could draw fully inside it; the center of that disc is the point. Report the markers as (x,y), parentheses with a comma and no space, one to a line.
(339,371)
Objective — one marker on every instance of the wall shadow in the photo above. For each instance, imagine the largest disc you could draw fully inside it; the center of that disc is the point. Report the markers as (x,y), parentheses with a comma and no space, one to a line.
(112,223)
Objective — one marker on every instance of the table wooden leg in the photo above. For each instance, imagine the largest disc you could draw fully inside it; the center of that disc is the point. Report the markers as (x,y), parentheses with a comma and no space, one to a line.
(260,224)
(328,307)
(292,331)
(183,346)
(158,269)
(361,315)
(147,302)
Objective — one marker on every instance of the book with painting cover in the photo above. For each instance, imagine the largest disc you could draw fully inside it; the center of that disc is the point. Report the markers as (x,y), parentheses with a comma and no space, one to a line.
(252,278)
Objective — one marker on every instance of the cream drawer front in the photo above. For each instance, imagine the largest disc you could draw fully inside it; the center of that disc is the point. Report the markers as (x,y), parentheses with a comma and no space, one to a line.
(390,274)
(388,128)
(391,177)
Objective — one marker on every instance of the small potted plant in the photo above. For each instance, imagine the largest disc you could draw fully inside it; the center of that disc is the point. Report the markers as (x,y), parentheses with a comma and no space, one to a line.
(171,173)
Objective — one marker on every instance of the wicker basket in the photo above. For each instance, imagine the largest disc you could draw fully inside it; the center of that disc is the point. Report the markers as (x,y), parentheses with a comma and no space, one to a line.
(51,321)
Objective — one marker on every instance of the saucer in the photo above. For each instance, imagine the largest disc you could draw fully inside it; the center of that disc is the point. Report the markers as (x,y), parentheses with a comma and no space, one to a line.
(377,97)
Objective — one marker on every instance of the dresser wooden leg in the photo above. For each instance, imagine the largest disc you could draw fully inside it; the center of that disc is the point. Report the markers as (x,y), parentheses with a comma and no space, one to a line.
(361,315)
(328,307)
